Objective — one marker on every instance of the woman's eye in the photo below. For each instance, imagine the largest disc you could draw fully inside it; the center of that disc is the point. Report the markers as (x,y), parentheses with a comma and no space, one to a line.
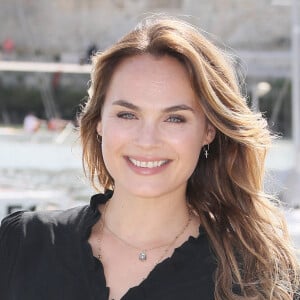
(176,119)
(126,115)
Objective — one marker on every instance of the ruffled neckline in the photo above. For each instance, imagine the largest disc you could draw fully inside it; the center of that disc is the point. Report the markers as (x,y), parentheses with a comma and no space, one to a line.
(183,255)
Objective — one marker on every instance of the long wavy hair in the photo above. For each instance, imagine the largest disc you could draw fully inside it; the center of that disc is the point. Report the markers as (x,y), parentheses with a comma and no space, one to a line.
(255,259)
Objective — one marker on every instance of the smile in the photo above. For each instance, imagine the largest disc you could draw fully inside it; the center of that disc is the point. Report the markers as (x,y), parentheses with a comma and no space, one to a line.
(147,164)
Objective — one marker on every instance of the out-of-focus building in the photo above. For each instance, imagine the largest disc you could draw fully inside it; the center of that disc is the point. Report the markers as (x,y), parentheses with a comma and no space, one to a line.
(68,27)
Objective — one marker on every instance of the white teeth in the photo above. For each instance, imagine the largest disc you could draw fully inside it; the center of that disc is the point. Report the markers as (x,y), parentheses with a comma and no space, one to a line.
(147,164)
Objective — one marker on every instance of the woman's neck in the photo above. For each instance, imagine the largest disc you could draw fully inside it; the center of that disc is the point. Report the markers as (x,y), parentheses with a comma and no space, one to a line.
(146,221)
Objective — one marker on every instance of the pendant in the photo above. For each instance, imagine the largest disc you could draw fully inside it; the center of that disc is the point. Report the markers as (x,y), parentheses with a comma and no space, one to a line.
(143,256)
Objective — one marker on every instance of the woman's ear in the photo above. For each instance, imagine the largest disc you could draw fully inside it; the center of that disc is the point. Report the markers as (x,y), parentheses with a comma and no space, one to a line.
(210,134)
(99,128)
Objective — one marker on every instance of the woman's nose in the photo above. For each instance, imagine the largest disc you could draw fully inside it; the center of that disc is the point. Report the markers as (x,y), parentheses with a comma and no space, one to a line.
(148,135)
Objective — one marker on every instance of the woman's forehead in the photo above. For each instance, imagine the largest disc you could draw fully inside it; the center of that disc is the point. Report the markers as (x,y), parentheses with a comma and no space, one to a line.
(150,74)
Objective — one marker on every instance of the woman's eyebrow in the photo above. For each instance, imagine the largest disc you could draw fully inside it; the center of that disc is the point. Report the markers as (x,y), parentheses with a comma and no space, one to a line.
(126,104)
(178,108)
(174,108)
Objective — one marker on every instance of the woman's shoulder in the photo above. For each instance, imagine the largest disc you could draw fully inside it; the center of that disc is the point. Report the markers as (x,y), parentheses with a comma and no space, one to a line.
(34,224)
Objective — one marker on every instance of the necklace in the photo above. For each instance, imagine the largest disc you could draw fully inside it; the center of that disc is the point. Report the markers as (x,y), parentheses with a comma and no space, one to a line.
(142,255)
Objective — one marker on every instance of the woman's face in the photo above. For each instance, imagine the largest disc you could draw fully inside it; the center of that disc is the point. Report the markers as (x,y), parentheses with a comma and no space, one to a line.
(151,126)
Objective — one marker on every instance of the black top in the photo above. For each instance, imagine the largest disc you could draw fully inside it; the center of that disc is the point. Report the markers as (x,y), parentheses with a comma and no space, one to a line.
(46,255)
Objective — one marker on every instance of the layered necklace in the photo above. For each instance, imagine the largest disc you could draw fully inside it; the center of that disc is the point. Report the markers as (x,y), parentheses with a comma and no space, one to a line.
(142,252)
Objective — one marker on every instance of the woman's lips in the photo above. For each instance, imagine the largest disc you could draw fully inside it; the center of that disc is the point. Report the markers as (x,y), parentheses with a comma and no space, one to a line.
(147,166)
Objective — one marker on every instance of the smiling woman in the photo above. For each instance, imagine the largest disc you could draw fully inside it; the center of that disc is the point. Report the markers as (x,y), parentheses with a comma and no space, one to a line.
(157,123)
(180,156)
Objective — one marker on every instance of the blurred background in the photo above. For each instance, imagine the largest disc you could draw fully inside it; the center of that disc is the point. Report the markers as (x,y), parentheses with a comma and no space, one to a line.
(45,50)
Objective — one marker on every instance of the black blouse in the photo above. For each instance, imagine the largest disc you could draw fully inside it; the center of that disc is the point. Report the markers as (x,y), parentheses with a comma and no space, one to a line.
(46,255)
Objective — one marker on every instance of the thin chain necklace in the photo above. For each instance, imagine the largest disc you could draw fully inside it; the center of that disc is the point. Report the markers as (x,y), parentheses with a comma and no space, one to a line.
(142,256)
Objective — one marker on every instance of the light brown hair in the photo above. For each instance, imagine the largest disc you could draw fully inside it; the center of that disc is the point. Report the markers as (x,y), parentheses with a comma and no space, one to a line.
(247,232)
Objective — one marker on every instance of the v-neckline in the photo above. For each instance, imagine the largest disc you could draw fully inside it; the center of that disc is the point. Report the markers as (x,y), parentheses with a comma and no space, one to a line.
(97,265)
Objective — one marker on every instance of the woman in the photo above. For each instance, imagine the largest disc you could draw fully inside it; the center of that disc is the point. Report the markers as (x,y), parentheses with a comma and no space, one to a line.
(180,156)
